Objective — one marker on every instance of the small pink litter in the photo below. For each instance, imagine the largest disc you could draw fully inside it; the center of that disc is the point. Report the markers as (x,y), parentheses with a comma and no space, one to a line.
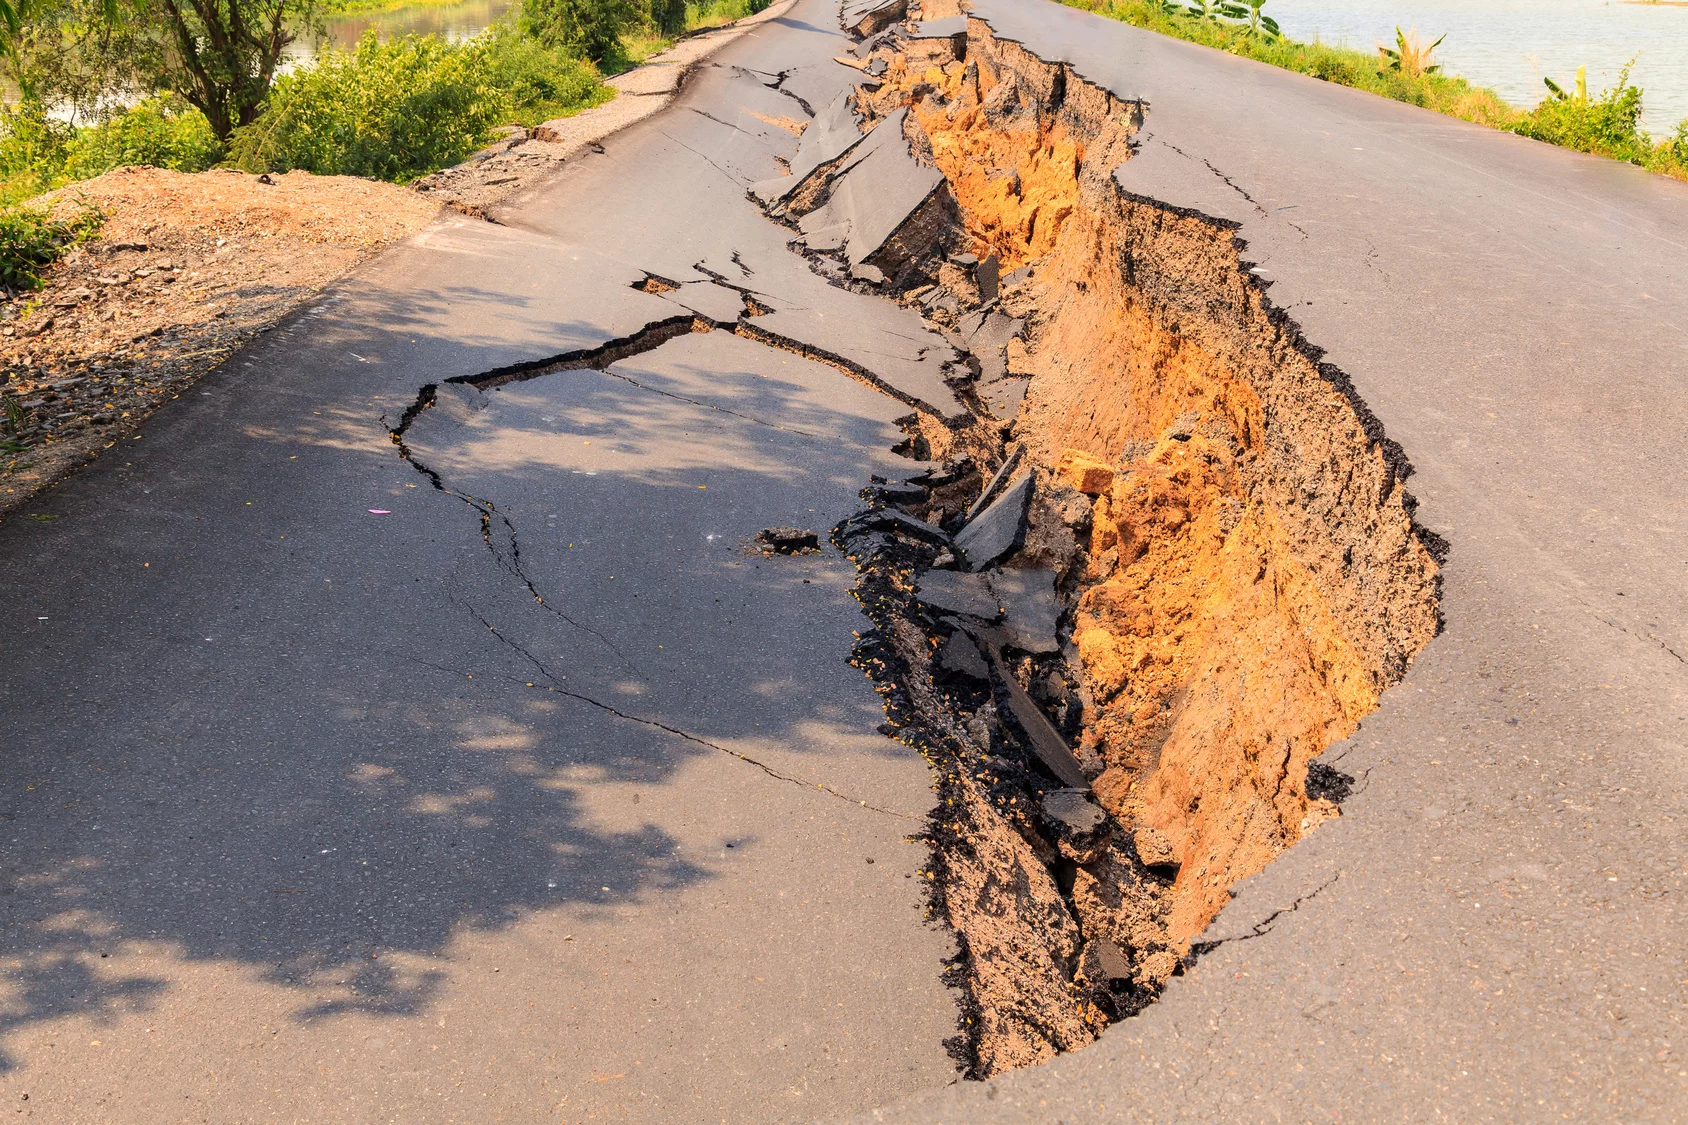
(379,512)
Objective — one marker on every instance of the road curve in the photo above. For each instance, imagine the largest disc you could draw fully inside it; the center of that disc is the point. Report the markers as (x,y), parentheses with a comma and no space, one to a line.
(1495,928)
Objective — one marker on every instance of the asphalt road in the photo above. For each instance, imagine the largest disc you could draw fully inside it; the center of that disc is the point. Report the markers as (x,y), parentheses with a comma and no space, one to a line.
(311,813)
(325,800)
(1496,929)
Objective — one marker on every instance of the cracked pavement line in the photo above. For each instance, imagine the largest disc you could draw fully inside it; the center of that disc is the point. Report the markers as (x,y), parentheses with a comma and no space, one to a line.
(556,687)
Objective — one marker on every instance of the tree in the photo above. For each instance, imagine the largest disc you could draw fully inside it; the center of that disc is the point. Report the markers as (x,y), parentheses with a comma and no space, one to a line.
(220,55)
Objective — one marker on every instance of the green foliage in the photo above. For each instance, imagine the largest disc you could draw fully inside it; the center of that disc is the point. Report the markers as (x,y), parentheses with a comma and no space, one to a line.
(33,147)
(390,111)
(589,28)
(398,109)
(162,131)
(31,240)
(540,83)
(669,16)
(1607,124)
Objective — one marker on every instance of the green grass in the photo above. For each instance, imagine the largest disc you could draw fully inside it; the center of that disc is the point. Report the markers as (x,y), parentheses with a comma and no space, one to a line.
(640,43)
(1606,124)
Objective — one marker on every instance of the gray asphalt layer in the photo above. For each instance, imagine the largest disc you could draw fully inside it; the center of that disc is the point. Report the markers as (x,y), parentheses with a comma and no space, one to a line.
(1495,929)
(330,795)
(537,798)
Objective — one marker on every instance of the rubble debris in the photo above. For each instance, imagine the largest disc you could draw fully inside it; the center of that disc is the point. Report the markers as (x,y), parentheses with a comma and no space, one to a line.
(999,528)
(952,592)
(787,541)
(1030,606)
(1073,810)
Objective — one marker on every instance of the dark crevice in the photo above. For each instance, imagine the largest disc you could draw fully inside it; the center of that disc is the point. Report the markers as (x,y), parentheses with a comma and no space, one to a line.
(1261,928)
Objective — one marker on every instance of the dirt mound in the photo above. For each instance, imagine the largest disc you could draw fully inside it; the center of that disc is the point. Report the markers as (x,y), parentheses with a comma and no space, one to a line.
(186,269)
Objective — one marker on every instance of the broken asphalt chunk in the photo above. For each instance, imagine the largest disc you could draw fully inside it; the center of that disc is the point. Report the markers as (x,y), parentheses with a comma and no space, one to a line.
(952,592)
(892,522)
(998,529)
(1073,810)
(863,18)
(998,479)
(878,191)
(959,656)
(1051,749)
(1031,607)
(829,136)
(787,540)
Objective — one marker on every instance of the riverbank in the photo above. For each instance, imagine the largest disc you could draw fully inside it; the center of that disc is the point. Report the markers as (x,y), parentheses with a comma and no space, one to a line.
(1606,123)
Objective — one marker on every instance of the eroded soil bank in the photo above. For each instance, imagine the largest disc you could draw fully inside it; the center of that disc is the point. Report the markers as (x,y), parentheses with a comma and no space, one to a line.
(1215,575)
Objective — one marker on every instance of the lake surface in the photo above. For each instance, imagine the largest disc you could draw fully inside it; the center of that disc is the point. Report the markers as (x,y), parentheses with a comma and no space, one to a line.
(1510,45)
(454,21)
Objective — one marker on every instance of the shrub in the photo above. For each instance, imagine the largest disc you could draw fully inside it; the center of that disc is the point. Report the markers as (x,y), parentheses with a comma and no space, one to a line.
(32,150)
(540,82)
(589,28)
(165,132)
(31,240)
(1608,124)
(391,111)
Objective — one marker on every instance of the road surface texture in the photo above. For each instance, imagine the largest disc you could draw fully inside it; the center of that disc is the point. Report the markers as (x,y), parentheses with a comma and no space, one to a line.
(405,726)
(318,814)
(1495,928)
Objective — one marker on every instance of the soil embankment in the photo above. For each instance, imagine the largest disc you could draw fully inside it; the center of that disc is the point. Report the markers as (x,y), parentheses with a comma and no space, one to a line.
(1235,572)
(185,269)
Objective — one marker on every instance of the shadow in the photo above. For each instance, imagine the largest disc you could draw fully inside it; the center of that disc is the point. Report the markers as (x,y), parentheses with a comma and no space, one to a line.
(263,727)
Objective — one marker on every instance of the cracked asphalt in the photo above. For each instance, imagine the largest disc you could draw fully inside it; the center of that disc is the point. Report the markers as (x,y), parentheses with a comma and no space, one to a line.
(489,777)
(1495,929)
(331,794)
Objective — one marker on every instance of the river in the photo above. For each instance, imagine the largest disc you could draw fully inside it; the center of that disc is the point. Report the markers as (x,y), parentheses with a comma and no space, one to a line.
(454,21)
(1510,45)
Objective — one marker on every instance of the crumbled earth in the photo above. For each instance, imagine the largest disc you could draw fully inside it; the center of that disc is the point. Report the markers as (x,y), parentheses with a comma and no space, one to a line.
(185,269)
(1225,529)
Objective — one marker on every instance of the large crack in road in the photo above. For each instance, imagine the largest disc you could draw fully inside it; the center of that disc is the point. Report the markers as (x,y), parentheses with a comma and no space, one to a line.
(1162,559)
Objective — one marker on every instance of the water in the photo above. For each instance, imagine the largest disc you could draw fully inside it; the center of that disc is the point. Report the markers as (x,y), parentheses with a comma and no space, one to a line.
(455,22)
(1510,45)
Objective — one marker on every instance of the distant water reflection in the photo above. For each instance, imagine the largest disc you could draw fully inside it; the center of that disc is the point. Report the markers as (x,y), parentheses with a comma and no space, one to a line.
(454,21)
(1509,45)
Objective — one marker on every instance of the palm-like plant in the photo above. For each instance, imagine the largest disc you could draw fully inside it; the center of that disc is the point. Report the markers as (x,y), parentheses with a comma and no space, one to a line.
(1582,87)
(1410,55)
(1256,24)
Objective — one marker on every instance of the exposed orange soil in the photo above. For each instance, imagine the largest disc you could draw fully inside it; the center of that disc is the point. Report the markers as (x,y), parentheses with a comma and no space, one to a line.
(1250,581)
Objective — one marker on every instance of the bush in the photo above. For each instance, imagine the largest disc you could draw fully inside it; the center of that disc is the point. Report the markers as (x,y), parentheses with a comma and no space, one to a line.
(31,240)
(1608,125)
(588,28)
(32,150)
(390,111)
(165,132)
(540,82)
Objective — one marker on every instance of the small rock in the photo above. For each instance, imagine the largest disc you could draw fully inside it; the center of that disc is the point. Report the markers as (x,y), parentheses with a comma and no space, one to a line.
(1153,848)
(1090,475)
(1115,965)
(1073,811)
(787,540)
